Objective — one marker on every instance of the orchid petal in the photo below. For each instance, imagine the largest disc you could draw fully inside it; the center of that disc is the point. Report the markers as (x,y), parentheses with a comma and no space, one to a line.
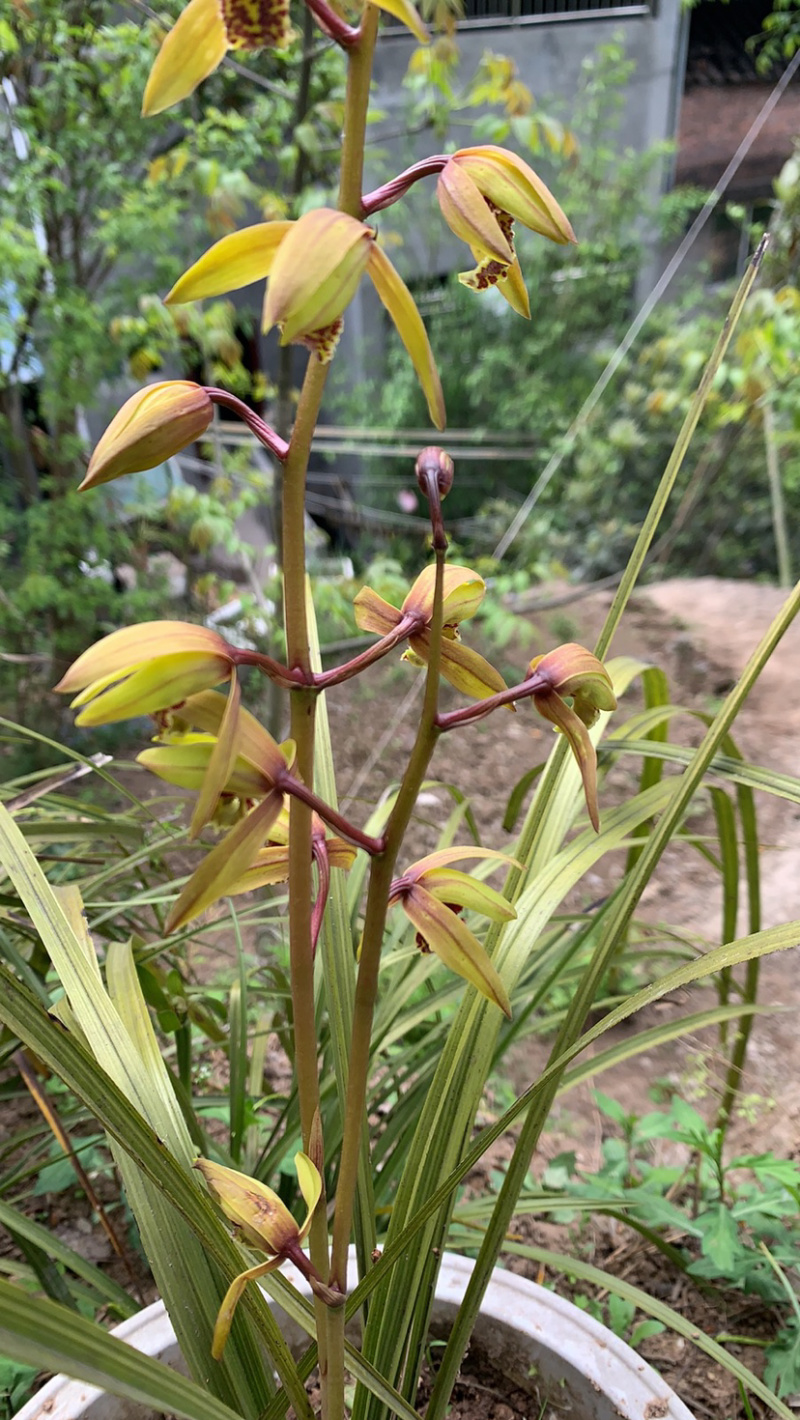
(231,1300)
(514,187)
(514,290)
(374,614)
(469,216)
(449,886)
(225,863)
(316,272)
(193,49)
(131,646)
(221,761)
(464,668)
(462,593)
(396,297)
(455,945)
(270,866)
(443,856)
(310,1183)
(340,854)
(206,711)
(153,687)
(554,709)
(236,260)
(405,12)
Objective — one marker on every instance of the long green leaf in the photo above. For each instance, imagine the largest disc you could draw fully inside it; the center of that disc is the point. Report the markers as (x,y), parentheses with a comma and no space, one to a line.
(108,1291)
(20,1010)
(41,1333)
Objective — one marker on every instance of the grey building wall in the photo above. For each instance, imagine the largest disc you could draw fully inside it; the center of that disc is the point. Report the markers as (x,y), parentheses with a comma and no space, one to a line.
(549,53)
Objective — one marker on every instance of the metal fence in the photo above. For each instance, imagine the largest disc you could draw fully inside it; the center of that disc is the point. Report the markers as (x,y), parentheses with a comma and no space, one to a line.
(516,12)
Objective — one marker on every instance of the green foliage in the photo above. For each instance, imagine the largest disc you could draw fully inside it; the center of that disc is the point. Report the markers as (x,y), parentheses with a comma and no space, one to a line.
(503,374)
(735,1219)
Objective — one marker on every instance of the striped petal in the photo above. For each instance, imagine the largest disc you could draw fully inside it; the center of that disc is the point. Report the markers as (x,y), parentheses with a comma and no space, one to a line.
(372,613)
(464,668)
(463,592)
(469,216)
(514,187)
(396,297)
(156,686)
(310,1183)
(450,886)
(225,863)
(270,866)
(235,261)
(316,272)
(551,707)
(220,763)
(455,945)
(131,646)
(185,764)
(193,49)
(206,711)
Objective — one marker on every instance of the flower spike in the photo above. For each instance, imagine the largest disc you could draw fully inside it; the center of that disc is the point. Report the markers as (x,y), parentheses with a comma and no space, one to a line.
(432,894)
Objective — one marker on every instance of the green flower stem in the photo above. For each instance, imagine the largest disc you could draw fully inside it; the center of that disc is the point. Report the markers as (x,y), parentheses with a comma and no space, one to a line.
(374,922)
(359,76)
(329,1326)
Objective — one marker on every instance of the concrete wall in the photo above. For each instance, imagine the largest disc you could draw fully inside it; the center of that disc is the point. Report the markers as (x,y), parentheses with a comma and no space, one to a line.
(549,54)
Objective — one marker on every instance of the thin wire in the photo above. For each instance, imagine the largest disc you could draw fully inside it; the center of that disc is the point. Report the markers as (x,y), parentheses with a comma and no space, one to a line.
(594,397)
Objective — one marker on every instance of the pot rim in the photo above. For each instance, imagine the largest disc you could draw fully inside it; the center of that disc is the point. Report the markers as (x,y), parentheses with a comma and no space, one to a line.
(600,1356)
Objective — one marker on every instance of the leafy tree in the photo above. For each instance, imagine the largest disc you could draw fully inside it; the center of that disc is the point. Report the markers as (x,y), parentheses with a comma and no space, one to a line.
(503,374)
(92,199)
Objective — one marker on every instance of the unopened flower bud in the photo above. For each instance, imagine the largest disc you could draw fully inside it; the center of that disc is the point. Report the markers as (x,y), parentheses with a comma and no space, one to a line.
(434,461)
(153,425)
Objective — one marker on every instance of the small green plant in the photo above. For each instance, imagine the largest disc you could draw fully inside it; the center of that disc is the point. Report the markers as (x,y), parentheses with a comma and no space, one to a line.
(727,1221)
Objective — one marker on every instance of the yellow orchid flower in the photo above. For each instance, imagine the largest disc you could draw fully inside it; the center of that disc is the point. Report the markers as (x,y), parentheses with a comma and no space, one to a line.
(571,673)
(482,192)
(207,29)
(313,267)
(428,893)
(151,426)
(264,1222)
(463,593)
(141,670)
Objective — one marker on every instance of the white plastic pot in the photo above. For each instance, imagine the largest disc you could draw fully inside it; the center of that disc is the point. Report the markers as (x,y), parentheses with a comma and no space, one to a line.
(542,1342)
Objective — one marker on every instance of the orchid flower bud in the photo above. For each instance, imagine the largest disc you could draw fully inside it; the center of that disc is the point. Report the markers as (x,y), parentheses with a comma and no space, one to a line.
(153,425)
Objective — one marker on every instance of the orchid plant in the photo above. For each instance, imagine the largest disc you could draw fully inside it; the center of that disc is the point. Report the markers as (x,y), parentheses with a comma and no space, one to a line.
(270,807)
